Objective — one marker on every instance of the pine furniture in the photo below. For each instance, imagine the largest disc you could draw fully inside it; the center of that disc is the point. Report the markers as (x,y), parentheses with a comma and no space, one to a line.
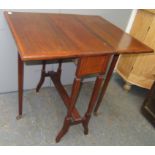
(139,69)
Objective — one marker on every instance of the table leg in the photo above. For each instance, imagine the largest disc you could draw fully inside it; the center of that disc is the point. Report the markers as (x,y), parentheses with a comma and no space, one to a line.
(68,118)
(20,86)
(92,102)
(59,70)
(86,66)
(42,78)
(106,82)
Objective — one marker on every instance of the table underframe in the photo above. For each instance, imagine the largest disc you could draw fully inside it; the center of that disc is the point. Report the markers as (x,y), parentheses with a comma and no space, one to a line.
(73,117)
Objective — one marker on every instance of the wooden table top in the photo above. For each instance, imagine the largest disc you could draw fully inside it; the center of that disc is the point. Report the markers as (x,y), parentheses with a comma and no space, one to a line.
(44,36)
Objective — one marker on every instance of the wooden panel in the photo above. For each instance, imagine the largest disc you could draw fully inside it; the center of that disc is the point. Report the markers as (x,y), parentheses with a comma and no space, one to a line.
(92,65)
(114,36)
(144,68)
(150,10)
(125,64)
(141,25)
(42,36)
(50,36)
(150,38)
(140,69)
(139,30)
(140,81)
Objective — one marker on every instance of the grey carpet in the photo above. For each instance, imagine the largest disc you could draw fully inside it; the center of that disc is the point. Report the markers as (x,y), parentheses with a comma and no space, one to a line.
(119,123)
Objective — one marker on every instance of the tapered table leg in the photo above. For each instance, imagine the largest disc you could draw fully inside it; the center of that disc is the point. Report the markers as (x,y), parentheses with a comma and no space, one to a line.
(106,82)
(20,87)
(92,102)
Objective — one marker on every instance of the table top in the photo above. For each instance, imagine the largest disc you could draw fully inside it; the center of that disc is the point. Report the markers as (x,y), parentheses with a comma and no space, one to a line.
(44,36)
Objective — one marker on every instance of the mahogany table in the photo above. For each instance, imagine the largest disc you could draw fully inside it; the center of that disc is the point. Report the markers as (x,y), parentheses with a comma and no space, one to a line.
(92,40)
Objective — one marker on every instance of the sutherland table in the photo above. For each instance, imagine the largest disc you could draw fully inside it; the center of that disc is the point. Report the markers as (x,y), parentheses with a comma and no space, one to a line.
(92,40)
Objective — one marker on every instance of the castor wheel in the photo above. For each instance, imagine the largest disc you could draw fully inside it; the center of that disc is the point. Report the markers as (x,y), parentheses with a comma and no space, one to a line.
(127,86)
(18,117)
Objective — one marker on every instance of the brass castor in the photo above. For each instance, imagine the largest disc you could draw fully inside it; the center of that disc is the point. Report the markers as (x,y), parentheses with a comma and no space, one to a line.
(127,86)
(19,117)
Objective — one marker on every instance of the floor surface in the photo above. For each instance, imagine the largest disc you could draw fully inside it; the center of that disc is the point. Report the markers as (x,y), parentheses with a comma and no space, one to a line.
(119,123)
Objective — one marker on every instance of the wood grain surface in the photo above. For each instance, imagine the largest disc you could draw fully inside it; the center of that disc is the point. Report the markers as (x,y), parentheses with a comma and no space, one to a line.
(44,36)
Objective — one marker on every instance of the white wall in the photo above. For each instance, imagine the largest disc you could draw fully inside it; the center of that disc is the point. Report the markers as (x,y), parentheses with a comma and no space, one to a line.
(8,51)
